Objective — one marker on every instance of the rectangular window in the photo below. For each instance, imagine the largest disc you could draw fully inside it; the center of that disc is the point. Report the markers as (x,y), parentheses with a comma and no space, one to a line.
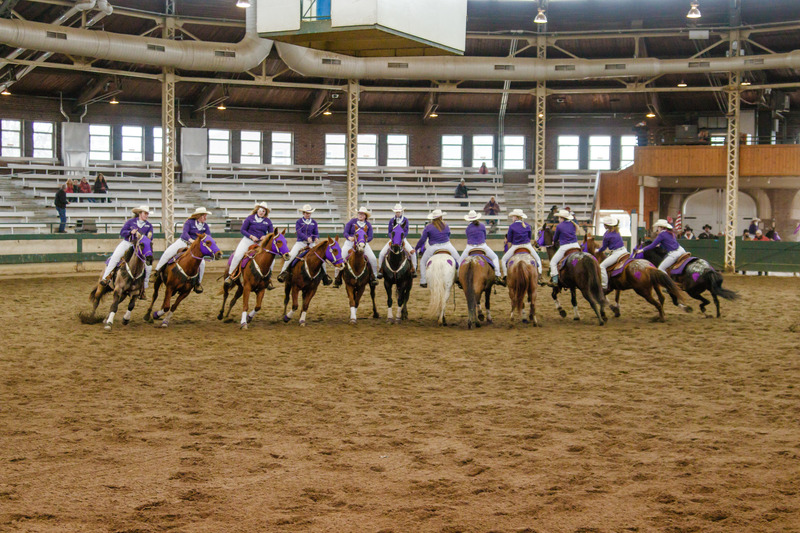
(43,140)
(158,143)
(132,143)
(11,138)
(251,148)
(335,152)
(99,142)
(568,156)
(367,150)
(600,152)
(452,151)
(627,145)
(483,150)
(718,139)
(282,151)
(219,146)
(513,152)
(397,150)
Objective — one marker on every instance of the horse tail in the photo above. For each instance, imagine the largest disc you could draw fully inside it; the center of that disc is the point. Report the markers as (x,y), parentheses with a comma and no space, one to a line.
(92,295)
(662,279)
(714,281)
(469,289)
(518,285)
(595,282)
(440,279)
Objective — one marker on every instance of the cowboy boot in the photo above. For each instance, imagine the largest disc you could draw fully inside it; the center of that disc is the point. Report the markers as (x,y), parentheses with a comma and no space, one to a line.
(270,286)
(500,281)
(198,288)
(228,283)
(282,276)
(553,281)
(338,282)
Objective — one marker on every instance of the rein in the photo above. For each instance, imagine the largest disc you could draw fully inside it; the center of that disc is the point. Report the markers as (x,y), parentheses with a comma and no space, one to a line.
(402,265)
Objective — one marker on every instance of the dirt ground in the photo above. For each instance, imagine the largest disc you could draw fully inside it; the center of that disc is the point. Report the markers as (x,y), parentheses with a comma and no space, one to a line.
(692,425)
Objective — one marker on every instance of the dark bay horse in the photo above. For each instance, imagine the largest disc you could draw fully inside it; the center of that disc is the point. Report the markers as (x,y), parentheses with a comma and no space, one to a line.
(180,276)
(477,277)
(305,275)
(522,279)
(356,275)
(128,281)
(697,277)
(396,269)
(254,277)
(579,271)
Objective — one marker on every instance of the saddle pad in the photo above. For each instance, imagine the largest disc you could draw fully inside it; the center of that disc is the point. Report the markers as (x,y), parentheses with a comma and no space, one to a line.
(481,256)
(617,268)
(680,264)
(570,252)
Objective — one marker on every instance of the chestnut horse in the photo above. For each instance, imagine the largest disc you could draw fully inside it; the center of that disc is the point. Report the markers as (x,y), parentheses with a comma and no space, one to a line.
(523,277)
(356,275)
(477,277)
(396,269)
(255,279)
(180,276)
(306,274)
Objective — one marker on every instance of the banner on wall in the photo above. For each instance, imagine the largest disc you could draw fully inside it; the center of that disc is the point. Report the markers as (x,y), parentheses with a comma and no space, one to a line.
(194,153)
(75,145)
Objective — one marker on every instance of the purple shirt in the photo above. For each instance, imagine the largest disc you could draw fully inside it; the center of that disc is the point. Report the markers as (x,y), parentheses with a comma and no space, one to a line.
(612,241)
(403,224)
(667,241)
(304,231)
(130,224)
(252,228)
(519,233)
(565,233)
(191,229)
(433,236)
(476,233)
(352,225)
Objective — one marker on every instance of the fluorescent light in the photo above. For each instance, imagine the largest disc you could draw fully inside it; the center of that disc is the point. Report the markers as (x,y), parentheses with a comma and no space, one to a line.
(694,11)
(682,84)
(541,18)
(6,92)
(650,114)
(113,100)
(243,3)
(221,106)
(433,114)
(327,112)
(745,83)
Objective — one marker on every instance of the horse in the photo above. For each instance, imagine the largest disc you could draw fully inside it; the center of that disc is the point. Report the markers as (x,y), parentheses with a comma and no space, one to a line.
(396,269)
(697,277)
(441,271)
(579,270)
(644,278)
(128,280)
(180,276)
(260,258)
(356,275)
(522,279)
(476,275)
(306,274)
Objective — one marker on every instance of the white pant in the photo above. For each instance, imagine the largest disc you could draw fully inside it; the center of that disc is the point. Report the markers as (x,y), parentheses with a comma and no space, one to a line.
(429,250)
(609,262)
(170,252)
(559,255)
(368,253)
(238,255)
(116,257)
(670,259)
(406,245)
(489,253)
(514,248)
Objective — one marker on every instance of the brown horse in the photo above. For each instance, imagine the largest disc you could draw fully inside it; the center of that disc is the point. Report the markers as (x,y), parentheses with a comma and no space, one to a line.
(306,275)
(356,276)
(477,278)
(255,276)
(523,278)
(179,277)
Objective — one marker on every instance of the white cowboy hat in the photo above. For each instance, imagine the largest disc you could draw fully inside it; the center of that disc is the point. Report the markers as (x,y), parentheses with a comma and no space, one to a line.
(200,211)
(137,210)
(661,223)
(364,210)
(307,209)
(610,221)
(398,208)
(472,216)
(517,213)
(264,205)
(563,213)
(436,213)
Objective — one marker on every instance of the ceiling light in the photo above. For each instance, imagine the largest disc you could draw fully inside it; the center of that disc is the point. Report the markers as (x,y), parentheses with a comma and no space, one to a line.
(694,11)
(650,114)
(6,92)
(541,18)
(243,3)
(113,100)
(327,112)
(541,115)
(745,83)
(221,106)
(682,84)
(433,114)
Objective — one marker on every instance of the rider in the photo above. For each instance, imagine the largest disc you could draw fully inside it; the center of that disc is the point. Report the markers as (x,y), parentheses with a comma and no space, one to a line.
(437,235)
(476,238)
(666,239)
(194,225)
(519,236)
(254,227)
(399,220)
(567,239)
(133,227)
(361,221)
(307,232)
(613,243)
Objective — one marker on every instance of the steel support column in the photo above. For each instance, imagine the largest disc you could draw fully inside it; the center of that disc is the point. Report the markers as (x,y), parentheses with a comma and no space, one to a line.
(539,142)
(352,147)
(732,153)
(168,138)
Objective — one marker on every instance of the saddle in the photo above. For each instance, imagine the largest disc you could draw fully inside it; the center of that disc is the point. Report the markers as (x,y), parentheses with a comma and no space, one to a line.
(570,252)
(442,251)
(248,255)
(299,257)
(481,255)
(677,268)
(617,268)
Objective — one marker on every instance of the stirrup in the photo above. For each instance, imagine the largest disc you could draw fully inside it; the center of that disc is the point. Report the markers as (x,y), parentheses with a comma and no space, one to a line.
(380,275)
(423,285)
(282,276)
(500,281)
(198,288)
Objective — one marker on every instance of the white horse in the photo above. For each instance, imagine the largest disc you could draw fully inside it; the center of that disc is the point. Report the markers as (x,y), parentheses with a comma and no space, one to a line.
(441,271)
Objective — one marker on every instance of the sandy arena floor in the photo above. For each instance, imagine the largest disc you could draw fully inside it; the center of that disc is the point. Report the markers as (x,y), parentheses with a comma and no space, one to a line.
(692,425)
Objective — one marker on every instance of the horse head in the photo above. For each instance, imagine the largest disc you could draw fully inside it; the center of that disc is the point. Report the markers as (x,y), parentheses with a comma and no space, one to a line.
(144,248)
(360,240)
(334,252)
(279,244)
(208,247)
(397,237)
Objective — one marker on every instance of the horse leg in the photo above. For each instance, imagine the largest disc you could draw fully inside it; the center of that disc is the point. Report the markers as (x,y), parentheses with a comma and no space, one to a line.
(239,292)
(560,309)
(225,291)
(245,305)
(659,305)
(532,303)
(293,290)
(403,294)
(259,299)
(126,318)
(352,295)
(148,315)
(388,286)
(574,300)
(307,296)
(178,300)
(488,299)
(164,305)
(114,307)
(372,295)
(698,295)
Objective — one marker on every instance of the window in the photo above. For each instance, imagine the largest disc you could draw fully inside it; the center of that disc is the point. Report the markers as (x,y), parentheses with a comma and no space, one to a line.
(600,152)
(335,153)
(627,144)
(132,143)
(219,146)
(397,150)
(250,148)
(99,142)
(367,150)
(43,140)
(11,138)
(568,158)
(482,150)
(158,143)
(513,152)
(452,151)
(718,139)
(282,148)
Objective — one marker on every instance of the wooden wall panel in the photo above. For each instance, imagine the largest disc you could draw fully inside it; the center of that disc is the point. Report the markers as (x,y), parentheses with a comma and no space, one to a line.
(770,160)
(619,190)
(705,161)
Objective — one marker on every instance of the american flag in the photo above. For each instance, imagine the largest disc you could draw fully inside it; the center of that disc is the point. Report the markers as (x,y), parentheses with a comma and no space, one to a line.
(678,224)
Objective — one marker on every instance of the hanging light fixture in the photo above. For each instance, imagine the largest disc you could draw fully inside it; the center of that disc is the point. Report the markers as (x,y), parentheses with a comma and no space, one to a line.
(541,18)
(6,92)
(433,114)
(221,106)
(744,83)
(650,114)
(243,3)
(694,11)
(327,112)
(682,84)
(113,100)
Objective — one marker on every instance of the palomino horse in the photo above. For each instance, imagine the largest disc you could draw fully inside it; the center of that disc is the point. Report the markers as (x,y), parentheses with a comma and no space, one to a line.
(306,274)
(441,271)
(476,275)
(356,275)
(578,270)
(180,276)
(397,271)
(696,277)
(128,281)
(644,278)
(523,277)
(260,258)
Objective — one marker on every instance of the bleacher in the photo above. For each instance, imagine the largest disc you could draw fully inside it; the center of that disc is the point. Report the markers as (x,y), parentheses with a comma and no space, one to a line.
(574,189)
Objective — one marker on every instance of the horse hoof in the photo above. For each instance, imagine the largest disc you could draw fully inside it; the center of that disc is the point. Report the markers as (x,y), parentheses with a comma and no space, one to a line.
(303,324)
(576,319)
(148,318)
(469,325)
(352,321)
(164,324)
(376,315)
(562,313)
(489,322)
(286,318)
(398,320)
(616,312)
(219,316)
(243,325)
(249,319)
(477,324)
(108,327)
(481,317)
(125,322)
(390,321)
(524,320)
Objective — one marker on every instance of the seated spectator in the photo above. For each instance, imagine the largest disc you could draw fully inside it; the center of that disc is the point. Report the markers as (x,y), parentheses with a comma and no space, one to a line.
(746,235)
(70,186)
(551,216)
(702,137)
(462,191)
(707,233)
(772,235)
(84,187)
(483,169)
(760,236)
(100,185)
(491,210)
(688,234)
(753,228)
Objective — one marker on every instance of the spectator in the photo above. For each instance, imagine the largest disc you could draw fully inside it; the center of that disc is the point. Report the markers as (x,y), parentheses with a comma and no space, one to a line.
(483,169)
(551,216)
(70,186)
(100,185)
(688,234)
(61,203)
(702,137)
(462,191)
(760,236)
(491,210)
(746,235)
(753,228)
(707,233)
(772,235)
(84,187)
